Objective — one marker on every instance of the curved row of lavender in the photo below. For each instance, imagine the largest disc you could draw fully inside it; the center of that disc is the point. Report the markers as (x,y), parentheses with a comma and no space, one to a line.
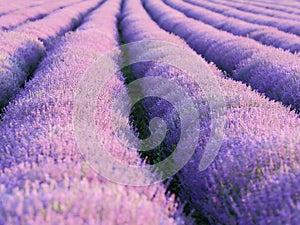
(289,26)
(290,4)
(263,34)
(11,20)
(262,11)
(258,10)
(285,8)
(270,71)
(43,177)
(19,54)
(247,183)
(137,26)
(276,7)
(59,22)
(18,5)
(22,49)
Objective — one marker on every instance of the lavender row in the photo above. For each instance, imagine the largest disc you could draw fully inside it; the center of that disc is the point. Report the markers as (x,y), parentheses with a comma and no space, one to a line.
(59,22)
(44,178)
(259,7)
(257,10)
(277,7)
(293,4)
(14,19)
(20,53)
(22,49)
(65,192)
(285,25)
(270,71)
(263,34)
(253,154)
(44,66)
(18,5)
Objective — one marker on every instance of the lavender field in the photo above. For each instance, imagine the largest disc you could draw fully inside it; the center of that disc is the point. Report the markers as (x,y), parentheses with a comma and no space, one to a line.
(149,112)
